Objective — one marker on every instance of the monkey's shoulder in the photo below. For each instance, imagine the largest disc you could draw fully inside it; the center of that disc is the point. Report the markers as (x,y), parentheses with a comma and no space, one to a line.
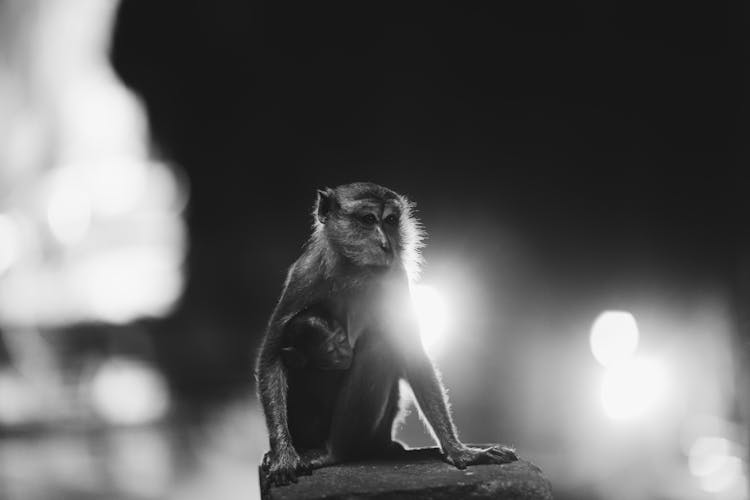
(303,285)
(311,296)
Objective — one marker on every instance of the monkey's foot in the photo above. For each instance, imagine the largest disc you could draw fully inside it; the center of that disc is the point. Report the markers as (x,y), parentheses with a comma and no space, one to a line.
(468,455)
(316,458)
(282,468)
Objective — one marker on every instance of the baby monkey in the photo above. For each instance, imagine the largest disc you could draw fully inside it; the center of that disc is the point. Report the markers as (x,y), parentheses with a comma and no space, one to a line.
(315,340)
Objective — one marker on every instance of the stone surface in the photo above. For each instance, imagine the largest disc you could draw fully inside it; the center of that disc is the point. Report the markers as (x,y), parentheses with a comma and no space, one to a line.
(420,474)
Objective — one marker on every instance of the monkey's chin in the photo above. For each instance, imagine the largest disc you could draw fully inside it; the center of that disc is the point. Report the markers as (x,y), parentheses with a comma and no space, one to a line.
(381,262)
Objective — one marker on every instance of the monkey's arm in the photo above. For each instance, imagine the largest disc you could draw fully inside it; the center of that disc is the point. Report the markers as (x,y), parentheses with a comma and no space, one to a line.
(282,463)
(432,399)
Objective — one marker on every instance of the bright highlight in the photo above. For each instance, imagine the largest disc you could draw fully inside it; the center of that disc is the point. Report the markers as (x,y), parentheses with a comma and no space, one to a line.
(112,288)
(433,317)
(128,392)
(630,389)
(614,337)
(9,243)
(712,460)
(118,185)
(18,401)
(69,212)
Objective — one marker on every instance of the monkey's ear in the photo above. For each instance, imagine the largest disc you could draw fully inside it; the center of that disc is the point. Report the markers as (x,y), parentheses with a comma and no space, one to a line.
(325,204)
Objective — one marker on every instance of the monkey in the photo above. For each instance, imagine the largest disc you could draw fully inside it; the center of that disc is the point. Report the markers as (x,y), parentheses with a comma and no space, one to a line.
(314,340)
(356,269)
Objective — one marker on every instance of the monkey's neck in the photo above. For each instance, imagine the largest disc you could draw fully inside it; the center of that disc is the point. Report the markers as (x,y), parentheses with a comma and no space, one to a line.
(321,255)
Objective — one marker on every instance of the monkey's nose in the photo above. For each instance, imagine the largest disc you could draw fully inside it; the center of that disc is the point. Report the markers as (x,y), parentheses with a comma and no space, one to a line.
(386,246)
(385,243)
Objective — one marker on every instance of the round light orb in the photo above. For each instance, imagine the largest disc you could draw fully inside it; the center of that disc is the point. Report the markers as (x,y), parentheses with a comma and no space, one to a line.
(631,389)
(9,242)
(433,317)
(128,392)
(69,211)
(614,337)
(708,455)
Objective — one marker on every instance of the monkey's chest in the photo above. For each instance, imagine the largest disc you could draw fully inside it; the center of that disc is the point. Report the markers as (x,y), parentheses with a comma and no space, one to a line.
(389,317)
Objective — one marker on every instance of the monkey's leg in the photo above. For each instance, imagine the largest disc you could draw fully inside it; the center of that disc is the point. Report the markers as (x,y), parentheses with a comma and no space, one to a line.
(367,404)
(430,394)
(312,397)
(384,443)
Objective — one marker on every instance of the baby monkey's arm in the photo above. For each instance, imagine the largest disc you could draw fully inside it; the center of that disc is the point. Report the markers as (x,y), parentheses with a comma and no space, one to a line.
(314,341)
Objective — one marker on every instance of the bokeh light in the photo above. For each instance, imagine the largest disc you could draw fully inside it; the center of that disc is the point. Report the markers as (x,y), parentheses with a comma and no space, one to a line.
(117,185)
(128,392)
(9,242)
(716,462)
(433,314)
(119,286)
(707,455)
(69,211)
(614,337)
(632,388)
(17,399)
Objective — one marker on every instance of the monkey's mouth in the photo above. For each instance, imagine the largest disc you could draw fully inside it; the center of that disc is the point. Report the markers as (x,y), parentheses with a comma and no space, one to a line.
(388,257)
(385,260)
(376,259)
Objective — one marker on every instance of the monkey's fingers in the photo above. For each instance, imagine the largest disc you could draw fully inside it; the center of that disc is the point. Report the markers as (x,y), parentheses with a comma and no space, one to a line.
(282,477)
(501,454)
(265,464)
(304,468)
(458,461)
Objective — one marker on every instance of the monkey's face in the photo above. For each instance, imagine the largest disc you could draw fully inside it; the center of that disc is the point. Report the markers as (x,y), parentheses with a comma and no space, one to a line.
(370,225)
(367,232)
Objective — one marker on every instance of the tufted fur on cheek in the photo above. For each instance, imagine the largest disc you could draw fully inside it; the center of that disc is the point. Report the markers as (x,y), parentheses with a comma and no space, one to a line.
(411,239)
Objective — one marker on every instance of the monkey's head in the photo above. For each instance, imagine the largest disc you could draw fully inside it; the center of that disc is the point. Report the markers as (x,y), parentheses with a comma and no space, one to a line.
(369,225)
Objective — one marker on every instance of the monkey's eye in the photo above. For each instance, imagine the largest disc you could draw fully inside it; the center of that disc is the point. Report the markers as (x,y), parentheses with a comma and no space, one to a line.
(392,220)
(369,219)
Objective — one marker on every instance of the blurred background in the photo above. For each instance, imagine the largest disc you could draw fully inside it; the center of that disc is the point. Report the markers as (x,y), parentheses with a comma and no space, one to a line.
(578,166)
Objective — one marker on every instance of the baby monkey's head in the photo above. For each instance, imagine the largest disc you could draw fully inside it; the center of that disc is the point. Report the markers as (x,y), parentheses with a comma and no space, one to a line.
(369,225)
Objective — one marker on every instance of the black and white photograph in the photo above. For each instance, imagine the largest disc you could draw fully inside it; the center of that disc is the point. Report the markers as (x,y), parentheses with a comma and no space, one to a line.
(256,250)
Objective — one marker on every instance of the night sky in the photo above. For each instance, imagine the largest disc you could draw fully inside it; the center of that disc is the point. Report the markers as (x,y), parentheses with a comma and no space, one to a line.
(600,141)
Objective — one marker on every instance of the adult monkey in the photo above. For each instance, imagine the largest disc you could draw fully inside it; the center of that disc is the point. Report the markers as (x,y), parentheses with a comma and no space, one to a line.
(355,273)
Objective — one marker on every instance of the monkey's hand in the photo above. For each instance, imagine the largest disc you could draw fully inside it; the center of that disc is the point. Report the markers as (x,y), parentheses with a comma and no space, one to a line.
(464,455)
(336,352)
(282,467)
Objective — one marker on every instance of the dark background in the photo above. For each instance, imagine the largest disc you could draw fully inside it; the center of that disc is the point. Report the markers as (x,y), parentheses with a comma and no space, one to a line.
(573,153)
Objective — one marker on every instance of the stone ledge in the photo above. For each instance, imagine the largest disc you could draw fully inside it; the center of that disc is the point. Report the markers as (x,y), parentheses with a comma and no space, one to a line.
(421,473)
